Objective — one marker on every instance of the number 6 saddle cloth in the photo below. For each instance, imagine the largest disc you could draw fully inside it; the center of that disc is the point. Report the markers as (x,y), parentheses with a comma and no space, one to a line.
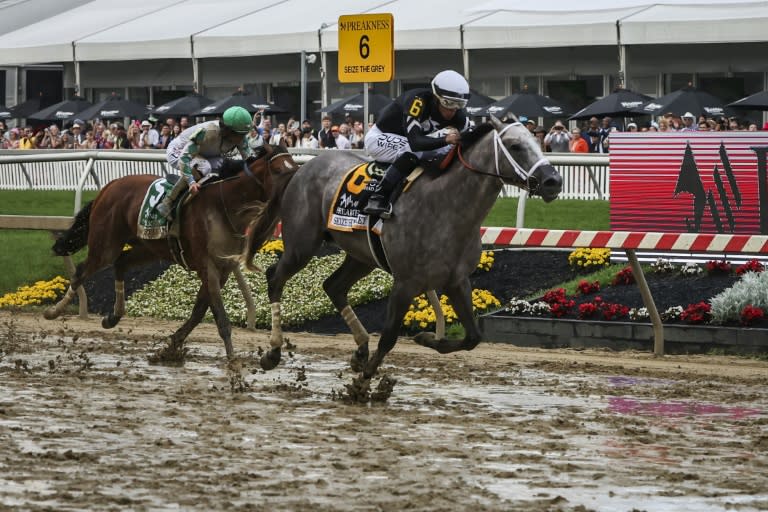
(346,212)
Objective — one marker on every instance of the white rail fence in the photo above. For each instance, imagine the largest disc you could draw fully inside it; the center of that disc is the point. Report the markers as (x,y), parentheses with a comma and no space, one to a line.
(584,176)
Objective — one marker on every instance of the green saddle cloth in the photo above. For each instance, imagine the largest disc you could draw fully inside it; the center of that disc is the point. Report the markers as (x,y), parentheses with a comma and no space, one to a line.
(152,225)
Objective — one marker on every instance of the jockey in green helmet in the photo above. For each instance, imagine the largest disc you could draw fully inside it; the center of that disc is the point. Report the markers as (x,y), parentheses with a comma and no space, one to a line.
(200,150)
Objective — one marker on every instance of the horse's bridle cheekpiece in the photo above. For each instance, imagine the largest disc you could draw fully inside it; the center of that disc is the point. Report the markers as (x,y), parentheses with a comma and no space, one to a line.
(498,144)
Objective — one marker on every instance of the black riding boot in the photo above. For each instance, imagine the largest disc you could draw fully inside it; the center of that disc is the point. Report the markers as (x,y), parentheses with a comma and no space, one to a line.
(379,203)
(165,208)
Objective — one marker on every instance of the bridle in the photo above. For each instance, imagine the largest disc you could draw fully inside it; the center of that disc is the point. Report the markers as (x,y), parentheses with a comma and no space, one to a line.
(498,150)
(248,172)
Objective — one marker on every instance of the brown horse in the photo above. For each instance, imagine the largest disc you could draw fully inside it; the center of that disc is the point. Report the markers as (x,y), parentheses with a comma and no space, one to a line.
(213,224)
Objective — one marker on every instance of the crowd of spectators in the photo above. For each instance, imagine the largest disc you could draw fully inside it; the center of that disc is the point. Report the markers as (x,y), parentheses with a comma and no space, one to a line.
(139,134)
(591,136)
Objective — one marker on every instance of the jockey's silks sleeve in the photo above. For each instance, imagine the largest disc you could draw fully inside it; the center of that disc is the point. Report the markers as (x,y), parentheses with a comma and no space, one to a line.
(191,150)
(420,121)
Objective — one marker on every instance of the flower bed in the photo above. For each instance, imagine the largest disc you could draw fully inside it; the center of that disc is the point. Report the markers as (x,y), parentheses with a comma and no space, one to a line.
(733,298)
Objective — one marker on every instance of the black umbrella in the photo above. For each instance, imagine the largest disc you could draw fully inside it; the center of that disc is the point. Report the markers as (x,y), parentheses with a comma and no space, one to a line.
(477,103)
(113,108)
(30,106)
(620,103)
(250,102)
(62,110)
(354,104)
(183,106)
(527,104)
(687,99)
(757,101)
(5,112)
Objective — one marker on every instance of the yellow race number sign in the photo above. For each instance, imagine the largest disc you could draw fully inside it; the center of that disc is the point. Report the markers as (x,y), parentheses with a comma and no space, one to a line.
(366,48)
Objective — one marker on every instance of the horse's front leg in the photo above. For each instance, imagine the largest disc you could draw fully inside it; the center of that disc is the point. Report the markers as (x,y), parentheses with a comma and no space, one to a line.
(174,351)
(461,299)
(399,300)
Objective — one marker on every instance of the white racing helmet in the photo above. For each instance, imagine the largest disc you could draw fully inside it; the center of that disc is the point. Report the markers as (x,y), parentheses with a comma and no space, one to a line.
(451,89)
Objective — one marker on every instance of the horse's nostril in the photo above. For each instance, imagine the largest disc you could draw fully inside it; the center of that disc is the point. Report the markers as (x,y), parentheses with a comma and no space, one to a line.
(553,182)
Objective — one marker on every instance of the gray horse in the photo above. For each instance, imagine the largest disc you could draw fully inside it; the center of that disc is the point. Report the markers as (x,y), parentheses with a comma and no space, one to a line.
(432,242)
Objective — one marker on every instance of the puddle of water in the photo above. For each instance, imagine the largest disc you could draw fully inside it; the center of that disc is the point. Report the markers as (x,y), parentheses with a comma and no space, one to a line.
(677,409)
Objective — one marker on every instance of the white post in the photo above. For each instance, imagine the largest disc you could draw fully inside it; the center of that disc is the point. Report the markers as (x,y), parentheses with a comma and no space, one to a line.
(303,86)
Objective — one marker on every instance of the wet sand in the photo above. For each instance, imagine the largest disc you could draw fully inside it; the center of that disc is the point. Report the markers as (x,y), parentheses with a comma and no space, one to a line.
(87,423)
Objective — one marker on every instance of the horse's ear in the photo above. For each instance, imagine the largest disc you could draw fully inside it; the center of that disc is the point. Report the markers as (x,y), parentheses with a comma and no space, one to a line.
(497,123)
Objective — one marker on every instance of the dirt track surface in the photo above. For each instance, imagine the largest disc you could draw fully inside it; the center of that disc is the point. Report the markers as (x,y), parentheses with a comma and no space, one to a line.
(86,423)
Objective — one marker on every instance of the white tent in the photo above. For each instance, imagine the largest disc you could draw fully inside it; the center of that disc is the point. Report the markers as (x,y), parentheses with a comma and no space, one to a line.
(726,22)
(165,33)
(158,29)
(418,25)
(287,27)
(52,38)
(521,29)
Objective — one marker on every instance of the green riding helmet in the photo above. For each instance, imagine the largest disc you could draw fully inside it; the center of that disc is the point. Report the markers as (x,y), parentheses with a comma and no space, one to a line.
(237,119)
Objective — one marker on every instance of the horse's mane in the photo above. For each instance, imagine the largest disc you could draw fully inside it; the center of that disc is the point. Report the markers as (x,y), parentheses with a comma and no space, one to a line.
(470,137)
(230,167)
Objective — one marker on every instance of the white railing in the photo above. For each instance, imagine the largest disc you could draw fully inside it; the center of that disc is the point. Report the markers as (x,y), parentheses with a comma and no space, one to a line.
(585,176)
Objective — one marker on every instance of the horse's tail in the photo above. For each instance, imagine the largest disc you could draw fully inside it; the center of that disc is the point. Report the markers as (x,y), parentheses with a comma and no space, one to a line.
(263,225)
(76,237)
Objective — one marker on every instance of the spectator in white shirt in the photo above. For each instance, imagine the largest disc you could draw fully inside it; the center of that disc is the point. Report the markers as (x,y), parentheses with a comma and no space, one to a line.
(341,141)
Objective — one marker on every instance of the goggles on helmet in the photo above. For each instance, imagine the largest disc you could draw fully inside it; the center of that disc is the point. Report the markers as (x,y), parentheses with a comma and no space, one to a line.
(452,103)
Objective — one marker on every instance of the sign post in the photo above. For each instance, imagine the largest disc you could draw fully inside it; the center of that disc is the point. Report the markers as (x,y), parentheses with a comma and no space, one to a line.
(366,51)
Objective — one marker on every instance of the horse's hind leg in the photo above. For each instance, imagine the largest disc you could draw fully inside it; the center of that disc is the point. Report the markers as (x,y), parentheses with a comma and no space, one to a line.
(216,280)
(461,299)
(98,258)
(127,259)
(337,287)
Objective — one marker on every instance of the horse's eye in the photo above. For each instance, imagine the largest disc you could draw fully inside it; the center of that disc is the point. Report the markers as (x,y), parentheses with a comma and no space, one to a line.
(515,147)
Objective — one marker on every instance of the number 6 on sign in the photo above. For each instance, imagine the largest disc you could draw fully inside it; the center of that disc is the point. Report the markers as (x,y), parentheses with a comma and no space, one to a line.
(366,48)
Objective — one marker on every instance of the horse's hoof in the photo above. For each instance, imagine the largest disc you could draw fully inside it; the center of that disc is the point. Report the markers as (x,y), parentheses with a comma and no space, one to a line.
(426,339)
(110,321)
(50,314)
(359,358)
(270,359)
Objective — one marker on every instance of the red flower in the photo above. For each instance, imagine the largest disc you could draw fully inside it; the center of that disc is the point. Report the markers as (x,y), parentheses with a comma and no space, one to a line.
(698,313)
(750,266)
(751,314)
(554,296)
(624,276)
(718,267)
(585,288)
(613,311)
(587,310)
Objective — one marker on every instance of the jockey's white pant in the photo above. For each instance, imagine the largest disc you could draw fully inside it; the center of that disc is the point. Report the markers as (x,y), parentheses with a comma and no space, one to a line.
(387,147)
(203,165)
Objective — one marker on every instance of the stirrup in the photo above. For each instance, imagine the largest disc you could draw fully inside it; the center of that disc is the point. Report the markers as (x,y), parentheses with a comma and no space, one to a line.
(379,206)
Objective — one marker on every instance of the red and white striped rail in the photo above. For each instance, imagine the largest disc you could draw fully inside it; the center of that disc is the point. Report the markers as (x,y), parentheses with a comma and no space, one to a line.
(684,242)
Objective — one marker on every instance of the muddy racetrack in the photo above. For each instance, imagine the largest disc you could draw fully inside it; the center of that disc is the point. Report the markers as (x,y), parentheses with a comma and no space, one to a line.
(86,423)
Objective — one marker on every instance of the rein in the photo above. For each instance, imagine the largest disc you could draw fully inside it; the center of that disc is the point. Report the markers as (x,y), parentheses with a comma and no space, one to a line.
(498,144)
(250,174)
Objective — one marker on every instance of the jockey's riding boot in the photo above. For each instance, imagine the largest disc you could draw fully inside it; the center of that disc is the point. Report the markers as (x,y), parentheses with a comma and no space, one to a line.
(165,208)
(379,203)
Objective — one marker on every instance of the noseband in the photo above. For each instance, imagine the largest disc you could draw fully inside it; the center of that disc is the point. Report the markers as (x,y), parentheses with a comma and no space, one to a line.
(498,150)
